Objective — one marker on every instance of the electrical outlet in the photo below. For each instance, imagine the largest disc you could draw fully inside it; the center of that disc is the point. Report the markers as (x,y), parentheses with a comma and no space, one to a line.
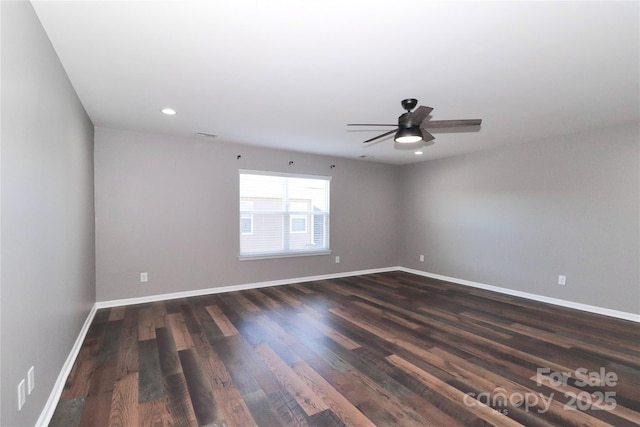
(562,280)
(421,258)
(31,380)
(144,277)
(21,395)
(337,259)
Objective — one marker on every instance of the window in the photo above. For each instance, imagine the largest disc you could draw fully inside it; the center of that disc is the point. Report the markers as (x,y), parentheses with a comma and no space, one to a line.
(283,214)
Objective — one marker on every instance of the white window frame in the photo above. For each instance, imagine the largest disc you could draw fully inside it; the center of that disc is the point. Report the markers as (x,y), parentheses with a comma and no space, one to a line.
(288,217)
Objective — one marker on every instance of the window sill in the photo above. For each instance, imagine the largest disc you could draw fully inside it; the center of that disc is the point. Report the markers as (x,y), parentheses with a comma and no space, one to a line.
(283,255)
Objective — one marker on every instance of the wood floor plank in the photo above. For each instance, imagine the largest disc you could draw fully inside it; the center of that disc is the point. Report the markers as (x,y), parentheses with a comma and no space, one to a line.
(244,366)
(262,300)
(233,406)
(288,408)
(178,399)
(585,400)
(567,342)
(69,412)
(228,404)
(371,399)
(330,332)
(326,418)
(180,332)
(481,410)
(465,371)
(222,321)
(153,413)
(390,394)
(285,297)
(124,401)
(345,411)
(103,378)
(95,412)
(150,387)
(200,392)
(159,315)
(433,414)
(117,313)
(290,381)
(110,344)
(146,326)
(263,414)
(246,303)
(128,351)
(385,349)
(167,352)
(77,385)
(444,335)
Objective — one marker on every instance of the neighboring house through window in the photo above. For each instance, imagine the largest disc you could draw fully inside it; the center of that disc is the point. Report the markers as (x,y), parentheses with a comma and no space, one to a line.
(299,213)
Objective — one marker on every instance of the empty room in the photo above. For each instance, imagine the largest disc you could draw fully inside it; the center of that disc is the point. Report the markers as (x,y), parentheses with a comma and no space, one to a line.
(320,213)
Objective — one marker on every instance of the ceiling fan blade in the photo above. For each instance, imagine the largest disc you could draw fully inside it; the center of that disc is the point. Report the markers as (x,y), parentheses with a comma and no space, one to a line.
(380,136)
(369,124)
(451,123)
(426,136)
(419,114)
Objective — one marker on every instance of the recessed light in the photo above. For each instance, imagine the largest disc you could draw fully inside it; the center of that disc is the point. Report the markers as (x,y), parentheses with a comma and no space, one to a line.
(418,153)
(169,111)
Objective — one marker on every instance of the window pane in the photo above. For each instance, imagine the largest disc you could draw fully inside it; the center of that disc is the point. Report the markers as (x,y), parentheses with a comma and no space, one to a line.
(298,224)
(246,225)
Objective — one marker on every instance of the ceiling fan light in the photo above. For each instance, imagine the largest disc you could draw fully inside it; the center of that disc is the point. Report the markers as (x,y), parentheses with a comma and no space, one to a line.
(408,135)
(408,145)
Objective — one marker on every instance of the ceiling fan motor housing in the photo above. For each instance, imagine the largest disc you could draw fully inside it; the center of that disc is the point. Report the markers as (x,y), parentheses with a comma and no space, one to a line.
(404,121)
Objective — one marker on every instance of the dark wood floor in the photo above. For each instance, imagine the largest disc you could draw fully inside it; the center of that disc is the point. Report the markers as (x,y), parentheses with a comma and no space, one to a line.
(390,349)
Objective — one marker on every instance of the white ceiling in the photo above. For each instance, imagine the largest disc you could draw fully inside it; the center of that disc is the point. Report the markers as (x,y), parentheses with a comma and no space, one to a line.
(292,74)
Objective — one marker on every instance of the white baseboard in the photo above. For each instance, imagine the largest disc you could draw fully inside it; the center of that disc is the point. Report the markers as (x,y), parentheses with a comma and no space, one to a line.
(58,387)
(555,301)
(221,289)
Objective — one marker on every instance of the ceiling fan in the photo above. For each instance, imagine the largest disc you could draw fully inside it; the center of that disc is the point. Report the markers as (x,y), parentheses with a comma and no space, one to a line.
(411,130)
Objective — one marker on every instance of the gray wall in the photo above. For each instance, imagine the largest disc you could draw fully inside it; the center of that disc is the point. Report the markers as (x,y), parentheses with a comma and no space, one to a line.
(169,206)
(48,262)
(515,217)
(520,216)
